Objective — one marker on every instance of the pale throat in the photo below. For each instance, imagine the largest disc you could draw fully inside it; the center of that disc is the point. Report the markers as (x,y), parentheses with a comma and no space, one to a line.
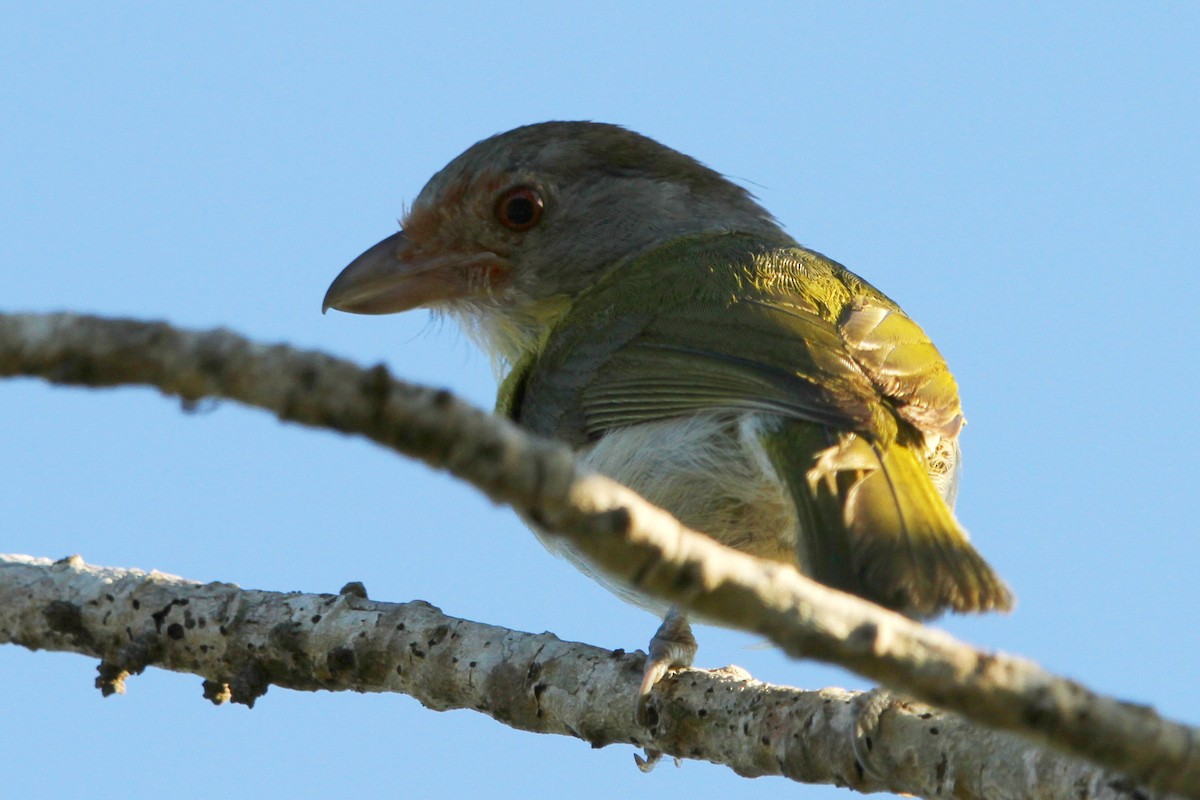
(507,328)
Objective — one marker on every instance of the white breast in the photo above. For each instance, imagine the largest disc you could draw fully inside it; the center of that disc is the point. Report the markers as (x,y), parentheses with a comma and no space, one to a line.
(711,471)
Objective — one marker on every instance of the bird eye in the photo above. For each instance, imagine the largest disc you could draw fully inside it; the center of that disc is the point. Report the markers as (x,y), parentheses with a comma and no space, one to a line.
(519,209)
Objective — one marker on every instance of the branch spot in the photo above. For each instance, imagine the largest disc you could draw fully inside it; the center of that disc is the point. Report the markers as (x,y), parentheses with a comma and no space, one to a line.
(439,635)
(340,660)
(64,617)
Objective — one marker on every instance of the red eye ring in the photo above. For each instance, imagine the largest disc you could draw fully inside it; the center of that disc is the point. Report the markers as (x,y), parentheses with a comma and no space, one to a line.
(520,208)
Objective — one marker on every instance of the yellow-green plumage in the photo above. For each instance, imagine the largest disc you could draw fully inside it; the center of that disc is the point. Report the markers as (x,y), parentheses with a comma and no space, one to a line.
(656,318)
(815,384)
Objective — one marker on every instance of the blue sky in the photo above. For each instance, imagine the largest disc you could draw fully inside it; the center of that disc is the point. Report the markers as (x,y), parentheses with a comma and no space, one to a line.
(1022,178)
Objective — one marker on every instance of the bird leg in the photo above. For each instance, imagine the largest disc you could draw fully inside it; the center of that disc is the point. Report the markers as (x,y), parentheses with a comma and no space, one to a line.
(672,646)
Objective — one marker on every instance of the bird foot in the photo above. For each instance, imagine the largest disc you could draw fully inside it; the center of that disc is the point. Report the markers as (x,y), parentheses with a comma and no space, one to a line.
(651,760)
(673,646)
(653,757)
(869,708)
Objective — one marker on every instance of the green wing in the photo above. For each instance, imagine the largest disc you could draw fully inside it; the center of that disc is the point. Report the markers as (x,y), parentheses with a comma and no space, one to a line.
(878,527)
(726,321)
(731,322)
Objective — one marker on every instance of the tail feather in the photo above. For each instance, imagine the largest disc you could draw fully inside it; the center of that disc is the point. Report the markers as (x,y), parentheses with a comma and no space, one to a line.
(873,524)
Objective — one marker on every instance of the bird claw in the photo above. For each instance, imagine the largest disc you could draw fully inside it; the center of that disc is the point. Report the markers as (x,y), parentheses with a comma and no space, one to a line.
(645,714)
(656,670)
(672,646)
(652,759)
(868,717)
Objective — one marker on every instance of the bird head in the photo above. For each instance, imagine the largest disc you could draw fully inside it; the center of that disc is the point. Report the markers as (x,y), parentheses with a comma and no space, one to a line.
(509,232)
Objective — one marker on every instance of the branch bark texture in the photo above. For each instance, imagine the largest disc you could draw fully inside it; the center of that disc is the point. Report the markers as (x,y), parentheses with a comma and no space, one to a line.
(243,641)
(633,541)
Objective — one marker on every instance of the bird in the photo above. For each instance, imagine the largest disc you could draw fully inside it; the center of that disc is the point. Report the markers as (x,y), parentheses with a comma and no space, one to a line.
(650,313)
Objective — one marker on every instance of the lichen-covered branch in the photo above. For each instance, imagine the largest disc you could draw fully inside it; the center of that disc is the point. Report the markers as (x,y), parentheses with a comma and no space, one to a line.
(244,641)
(621,533)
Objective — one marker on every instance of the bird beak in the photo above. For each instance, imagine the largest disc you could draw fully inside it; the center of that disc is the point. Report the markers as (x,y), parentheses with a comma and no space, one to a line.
(397,275)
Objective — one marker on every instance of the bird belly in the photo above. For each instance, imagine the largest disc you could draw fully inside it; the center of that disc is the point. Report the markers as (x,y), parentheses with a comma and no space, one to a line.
(711,472)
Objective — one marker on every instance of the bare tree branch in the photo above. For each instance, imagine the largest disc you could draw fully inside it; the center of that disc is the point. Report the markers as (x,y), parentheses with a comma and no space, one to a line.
(630,539)
(244,641)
